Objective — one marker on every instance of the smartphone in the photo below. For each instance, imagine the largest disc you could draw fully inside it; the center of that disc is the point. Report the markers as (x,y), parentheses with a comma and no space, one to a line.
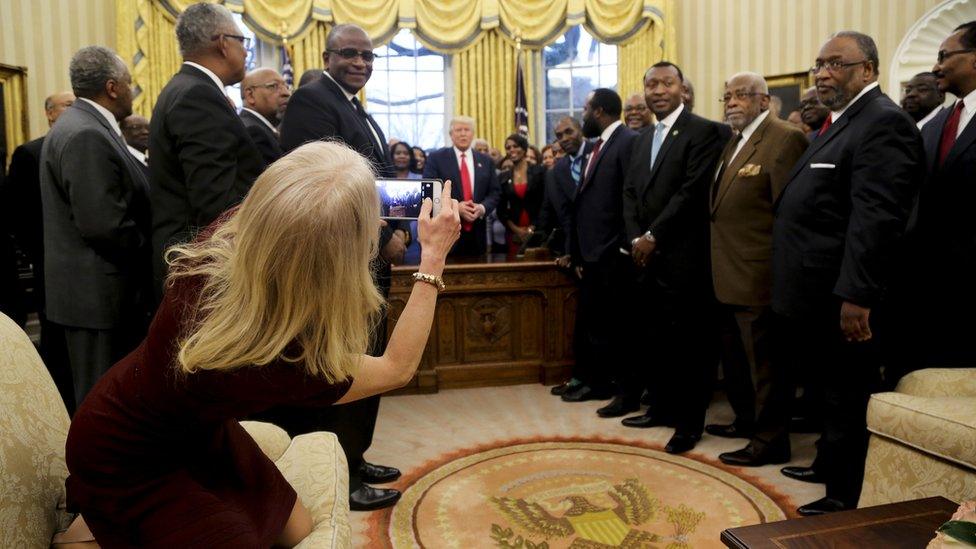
(402,198)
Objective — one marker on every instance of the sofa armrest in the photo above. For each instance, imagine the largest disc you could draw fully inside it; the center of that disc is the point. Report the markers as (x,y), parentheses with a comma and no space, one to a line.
(939,382)
(272,440)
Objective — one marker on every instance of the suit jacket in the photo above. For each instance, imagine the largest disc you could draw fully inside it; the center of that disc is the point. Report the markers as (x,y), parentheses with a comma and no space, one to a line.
(96,223)
(741,207)
(511,206)
(263,137)
(442,164)
(670,199)
(557,204)
(598,218)
(839,221)
(202,160)
(23,188)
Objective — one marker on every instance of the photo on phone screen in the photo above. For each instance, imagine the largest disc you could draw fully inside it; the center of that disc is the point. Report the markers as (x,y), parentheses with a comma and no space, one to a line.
(402,198)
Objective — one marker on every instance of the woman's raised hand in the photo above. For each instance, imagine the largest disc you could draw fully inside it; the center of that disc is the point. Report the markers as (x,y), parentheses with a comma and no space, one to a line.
(438,234)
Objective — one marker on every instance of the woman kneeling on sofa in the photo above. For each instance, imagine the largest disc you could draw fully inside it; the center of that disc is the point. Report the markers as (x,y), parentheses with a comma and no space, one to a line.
(271,304)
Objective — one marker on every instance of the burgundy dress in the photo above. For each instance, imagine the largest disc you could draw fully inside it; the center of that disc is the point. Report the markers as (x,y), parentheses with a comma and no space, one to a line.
(158,459)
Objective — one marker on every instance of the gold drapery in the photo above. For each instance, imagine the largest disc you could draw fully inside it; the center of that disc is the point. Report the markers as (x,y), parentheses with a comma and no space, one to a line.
(148,43)
(484,85)
(15,108)
(634,57)
(307,52)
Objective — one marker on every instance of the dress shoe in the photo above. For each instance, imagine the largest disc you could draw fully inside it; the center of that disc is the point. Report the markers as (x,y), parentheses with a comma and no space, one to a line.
(377,474)
(681,443)
(367,498)
(645,421)
(754,455)
(821,507)
(565,387)
(619,407)
(806,474)
(646,398)
(584,393)
(732,430)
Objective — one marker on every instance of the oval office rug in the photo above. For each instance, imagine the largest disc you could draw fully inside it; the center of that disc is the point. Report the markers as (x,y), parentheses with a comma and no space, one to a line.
(567,493)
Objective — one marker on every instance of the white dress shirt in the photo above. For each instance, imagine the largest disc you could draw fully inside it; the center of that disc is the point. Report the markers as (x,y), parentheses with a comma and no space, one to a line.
(928,117)
(835,115)
(262,119)
(669,121)
(139,155)
(210,73)
(968,109)
(349,97)
(469,162)
(112,122)
(747,133)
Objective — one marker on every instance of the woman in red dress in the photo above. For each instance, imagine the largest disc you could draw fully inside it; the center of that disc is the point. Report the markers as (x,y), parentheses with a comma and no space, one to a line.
(270,305)
(523,187)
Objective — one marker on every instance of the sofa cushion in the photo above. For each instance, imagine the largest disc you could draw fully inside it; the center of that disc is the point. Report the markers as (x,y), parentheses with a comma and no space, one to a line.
(941,426)
(938,382)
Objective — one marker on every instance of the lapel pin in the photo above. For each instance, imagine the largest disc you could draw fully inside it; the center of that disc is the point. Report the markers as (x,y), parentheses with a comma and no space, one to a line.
(675,132)
(479,164)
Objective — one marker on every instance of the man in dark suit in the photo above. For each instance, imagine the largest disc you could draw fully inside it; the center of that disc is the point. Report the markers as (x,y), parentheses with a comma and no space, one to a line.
(812,112)
(597,236)
(327,108)
(666,213)
(475,184)
(96,221)
(556,215)
(751,173)
(23,193)
(135,132)
(202,159)
(943,230)
(838,230)
(922,98)
(265,95)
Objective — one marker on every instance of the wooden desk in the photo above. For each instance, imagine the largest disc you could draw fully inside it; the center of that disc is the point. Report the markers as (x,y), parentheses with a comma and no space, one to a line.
(909,524)
(500,322)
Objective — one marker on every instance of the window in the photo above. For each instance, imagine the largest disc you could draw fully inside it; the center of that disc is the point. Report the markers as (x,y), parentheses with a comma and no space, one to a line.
(251,63)
(575,65)
(406,92)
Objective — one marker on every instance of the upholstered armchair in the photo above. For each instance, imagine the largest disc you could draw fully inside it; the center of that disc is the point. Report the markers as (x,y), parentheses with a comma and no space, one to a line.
(923,438)
(34,427)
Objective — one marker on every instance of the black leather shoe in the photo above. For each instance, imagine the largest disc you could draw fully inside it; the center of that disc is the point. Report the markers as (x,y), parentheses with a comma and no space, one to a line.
(806,474)
(565,387)
(645,421)
(646,398)
(377,474)
(821,507)
(584,393)
(619,407)
(367,498)
(681,443)
(754,456)
(732,430)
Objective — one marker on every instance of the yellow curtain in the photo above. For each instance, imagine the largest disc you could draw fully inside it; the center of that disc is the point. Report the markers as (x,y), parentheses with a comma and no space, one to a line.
(634,57)
(307,52)
(484,86)
(15,108)
(149,46)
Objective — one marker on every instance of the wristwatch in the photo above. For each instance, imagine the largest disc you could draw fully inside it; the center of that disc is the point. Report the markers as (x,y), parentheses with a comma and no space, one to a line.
(646,236)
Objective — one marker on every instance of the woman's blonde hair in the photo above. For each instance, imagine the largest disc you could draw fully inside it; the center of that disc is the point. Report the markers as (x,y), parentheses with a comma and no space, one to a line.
(288,275)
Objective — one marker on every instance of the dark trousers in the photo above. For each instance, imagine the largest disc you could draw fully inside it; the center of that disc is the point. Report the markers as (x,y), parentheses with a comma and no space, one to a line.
(471,243)
(850,372)
(600,342)
(92,352)
(54,353)
(745,357)
(678,338)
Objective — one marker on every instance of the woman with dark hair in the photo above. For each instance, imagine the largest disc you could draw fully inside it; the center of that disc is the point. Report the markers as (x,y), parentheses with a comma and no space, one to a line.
(533,156)
(420,159)
(404,161)
(522,189)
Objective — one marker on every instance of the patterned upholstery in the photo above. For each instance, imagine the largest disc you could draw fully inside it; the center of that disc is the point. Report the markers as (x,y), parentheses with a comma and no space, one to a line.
(923,439)
(34,427)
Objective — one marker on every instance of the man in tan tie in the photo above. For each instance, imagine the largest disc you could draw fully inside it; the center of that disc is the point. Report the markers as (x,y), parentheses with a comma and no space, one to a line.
(749,178)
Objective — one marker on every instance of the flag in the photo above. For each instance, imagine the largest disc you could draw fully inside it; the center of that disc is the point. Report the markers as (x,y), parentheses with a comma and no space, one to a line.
(521,105)
(286,70)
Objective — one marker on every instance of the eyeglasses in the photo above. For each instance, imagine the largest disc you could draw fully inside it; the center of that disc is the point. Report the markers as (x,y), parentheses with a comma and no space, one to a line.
(635,108)
(270,86)
(352,53)
(740,95)
(943,55)
(244,40)
(834,66)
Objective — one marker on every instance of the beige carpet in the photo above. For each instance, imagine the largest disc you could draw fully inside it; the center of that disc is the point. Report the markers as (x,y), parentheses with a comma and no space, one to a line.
(480,464)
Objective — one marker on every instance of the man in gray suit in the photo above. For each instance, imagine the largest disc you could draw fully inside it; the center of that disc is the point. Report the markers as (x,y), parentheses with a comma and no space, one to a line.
(95,203)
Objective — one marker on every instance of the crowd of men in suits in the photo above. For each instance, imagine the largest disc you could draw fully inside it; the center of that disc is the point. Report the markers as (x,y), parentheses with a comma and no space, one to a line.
(790,258)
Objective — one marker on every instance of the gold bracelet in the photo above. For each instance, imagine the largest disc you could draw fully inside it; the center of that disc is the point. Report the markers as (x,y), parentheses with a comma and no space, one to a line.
(434,281)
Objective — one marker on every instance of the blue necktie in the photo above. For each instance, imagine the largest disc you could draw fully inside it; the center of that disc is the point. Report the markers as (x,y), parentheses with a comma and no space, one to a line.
(576,168)
(656,143)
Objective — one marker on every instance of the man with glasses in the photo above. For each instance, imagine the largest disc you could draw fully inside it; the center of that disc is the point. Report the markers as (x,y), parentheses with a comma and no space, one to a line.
(837,232)
(636,114)
(922,99)
(328,108)
(265,97)
(203,161)
(749,177)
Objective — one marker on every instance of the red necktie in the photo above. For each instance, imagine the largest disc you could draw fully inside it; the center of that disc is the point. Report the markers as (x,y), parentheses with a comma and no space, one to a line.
(826,124)
(591,163)
(466,189)
(949,133)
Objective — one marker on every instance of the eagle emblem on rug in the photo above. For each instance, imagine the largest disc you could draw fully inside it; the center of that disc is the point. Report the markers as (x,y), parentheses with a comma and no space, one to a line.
(594,526)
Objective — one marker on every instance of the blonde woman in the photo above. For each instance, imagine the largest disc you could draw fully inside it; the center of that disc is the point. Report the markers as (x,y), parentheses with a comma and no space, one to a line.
(271,305)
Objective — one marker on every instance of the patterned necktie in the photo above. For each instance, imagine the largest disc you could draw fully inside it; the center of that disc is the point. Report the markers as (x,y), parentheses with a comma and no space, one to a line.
(949,132)
(369,123)
(725,164)
(656,143)
(826,124)
(466,189)
(576,168)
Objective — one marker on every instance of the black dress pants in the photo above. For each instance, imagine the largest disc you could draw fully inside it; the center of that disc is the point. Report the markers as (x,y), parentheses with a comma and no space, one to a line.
(600,342)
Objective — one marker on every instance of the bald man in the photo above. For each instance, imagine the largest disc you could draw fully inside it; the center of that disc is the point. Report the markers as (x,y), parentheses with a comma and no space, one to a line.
(265,96)
(636,114)
(135,131)
(688,95)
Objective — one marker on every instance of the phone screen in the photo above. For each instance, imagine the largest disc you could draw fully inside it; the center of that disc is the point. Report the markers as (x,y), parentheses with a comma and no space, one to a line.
(402,198)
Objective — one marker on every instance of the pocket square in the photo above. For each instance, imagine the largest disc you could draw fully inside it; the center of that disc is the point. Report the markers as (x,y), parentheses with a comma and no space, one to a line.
(823,166)
(749,170)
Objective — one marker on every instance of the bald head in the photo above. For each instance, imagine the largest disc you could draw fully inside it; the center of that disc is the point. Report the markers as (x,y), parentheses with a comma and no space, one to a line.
(636,113)
(348,57)
(569,135)
(264,91)
(55,104)
(688,93)
(135,131)
(746,97)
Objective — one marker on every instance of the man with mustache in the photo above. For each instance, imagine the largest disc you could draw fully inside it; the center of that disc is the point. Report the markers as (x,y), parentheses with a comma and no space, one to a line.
(837,232)
(923,99)
(636,114)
